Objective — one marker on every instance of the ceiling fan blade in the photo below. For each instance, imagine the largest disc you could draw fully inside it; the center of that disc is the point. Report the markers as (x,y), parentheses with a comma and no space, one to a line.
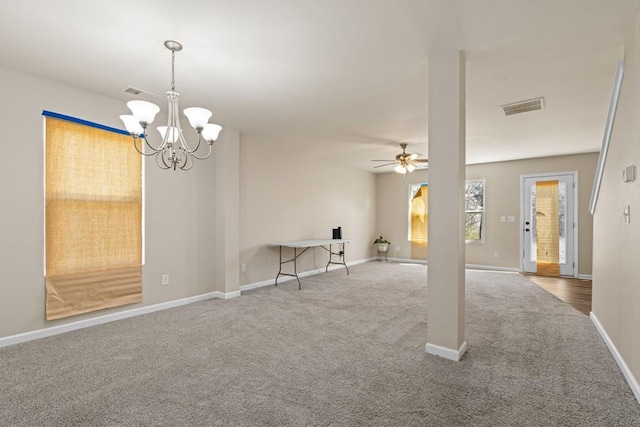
(421,160)
(388,164)
(388,160)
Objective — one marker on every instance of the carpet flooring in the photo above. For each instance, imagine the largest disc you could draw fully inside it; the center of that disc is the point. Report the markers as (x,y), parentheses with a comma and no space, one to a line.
(344,351)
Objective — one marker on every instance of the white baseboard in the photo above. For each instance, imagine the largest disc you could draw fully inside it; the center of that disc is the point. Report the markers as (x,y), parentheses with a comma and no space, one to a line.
(85,323)
(491,268)
(633,382)
(271,282)
(467,266)
(227,295)
(585,277)
(446,353)
(406,260)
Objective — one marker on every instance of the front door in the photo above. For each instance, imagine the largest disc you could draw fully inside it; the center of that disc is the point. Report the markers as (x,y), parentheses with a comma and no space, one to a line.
(548,224)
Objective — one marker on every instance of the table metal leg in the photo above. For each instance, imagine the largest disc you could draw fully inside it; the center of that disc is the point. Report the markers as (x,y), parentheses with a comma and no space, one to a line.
(280,270)
(339,254)
(295,266)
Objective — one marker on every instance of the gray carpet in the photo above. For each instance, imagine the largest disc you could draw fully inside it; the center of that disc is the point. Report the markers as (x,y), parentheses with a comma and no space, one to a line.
(346,350)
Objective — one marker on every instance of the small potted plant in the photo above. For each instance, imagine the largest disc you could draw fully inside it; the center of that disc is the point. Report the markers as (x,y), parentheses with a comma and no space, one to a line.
(383,247)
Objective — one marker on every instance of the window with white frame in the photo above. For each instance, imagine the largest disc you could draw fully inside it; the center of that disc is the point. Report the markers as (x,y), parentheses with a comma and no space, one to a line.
(474,211)
(473,206)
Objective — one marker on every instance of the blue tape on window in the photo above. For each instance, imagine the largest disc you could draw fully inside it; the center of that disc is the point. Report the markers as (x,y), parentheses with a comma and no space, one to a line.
(83,122)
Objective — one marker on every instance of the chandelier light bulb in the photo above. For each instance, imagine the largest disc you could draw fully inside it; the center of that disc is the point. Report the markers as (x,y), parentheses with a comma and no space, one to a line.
(174,133)
(131,124)
(143,111)
(198,117)
(411,167)
(211,131)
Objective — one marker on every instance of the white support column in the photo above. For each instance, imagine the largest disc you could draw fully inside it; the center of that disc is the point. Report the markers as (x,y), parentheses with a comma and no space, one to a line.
(445,296)
(227,197)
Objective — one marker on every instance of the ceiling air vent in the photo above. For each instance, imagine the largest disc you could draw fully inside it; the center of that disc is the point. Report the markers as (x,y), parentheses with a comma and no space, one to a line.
(523,106)
(133,90)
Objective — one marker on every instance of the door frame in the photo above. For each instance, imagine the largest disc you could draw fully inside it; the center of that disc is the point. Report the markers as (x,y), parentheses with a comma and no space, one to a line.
(575,215)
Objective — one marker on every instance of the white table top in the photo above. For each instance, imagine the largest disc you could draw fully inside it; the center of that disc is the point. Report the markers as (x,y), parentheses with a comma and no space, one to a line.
(309,243)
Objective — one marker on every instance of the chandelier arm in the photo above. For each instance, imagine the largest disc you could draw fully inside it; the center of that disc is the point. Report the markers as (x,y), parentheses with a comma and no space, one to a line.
(160,147)
(135,145)
(185,145)
(183,159)
(161,166)
(187,163)
(164,161)
(204,157)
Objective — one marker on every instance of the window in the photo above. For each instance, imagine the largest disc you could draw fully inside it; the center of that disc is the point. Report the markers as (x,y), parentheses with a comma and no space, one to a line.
(474,211)
(419,218)
(93,218)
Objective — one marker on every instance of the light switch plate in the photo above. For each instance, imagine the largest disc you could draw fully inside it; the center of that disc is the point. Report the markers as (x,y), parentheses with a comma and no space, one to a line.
(629,174)
(511,219)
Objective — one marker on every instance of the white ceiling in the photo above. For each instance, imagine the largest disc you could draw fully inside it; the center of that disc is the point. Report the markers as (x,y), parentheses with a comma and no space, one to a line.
(348,78)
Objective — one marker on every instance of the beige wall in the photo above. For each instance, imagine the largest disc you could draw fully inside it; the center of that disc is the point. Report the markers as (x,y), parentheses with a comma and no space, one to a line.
(288,194)
(502,198)
(285,194)
(616,287)
(180,207)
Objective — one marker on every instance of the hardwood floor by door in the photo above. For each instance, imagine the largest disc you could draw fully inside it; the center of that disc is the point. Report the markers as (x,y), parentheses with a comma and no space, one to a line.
(575,292)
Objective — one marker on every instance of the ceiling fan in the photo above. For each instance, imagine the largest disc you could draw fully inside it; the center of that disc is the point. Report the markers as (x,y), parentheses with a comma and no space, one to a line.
(405,162)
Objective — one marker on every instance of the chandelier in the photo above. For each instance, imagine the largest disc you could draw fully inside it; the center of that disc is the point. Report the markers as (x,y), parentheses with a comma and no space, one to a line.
(173,152)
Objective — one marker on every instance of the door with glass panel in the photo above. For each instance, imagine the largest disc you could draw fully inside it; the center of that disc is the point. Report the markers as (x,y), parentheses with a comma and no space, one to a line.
(548,225)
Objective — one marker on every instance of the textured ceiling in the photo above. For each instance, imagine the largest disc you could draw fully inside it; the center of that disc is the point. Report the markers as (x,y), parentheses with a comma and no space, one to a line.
(348,78)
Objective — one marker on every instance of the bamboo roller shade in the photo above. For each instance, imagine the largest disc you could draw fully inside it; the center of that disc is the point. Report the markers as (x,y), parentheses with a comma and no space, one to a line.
(93,220)
(419,221)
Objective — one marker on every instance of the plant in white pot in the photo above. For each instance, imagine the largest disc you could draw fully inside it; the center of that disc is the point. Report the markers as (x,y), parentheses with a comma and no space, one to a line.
(383,247)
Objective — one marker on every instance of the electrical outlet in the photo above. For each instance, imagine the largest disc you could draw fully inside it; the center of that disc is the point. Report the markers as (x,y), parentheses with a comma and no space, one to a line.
(165,279)
(244,268)
(503,219)
(496,254)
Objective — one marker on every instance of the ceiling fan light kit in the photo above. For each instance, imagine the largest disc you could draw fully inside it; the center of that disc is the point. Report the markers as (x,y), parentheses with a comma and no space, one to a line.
(169,154)
(404,162)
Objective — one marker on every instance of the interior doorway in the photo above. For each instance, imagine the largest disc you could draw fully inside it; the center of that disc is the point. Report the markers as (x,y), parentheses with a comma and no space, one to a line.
(549,222)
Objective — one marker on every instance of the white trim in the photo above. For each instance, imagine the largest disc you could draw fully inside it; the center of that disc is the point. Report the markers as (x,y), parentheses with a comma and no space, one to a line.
(585,277)
(446,353)
(227,295)
(628,375)
(491,268)
(271,282)
(80,324)
(408,260)
(467,266)
(255,285)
